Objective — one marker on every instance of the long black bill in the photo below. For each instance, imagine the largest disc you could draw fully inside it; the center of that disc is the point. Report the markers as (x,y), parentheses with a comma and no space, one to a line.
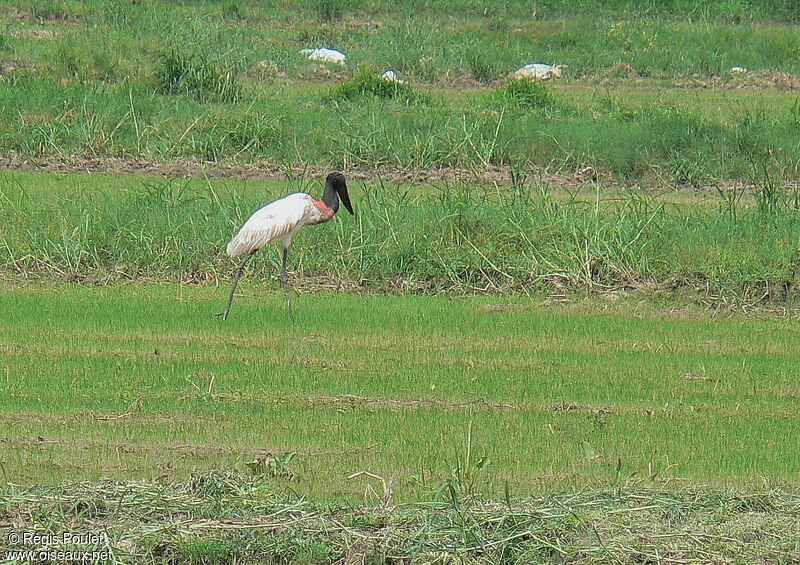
(342,190)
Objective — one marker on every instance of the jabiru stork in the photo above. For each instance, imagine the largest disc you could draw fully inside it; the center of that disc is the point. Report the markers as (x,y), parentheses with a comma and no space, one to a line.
(279,221)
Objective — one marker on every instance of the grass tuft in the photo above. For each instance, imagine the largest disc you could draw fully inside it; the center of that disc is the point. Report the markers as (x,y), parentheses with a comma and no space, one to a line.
(525,94)
(369,84)
(54,10)
(233,11)
(329,11)
(196,76)
(484,67)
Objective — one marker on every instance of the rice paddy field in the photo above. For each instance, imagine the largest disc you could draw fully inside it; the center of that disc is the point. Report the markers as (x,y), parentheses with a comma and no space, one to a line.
(589,374)
(561,327)
(149,382)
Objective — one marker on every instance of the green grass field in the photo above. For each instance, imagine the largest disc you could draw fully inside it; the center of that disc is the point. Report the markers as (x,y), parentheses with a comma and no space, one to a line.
(143,381)
(459,238)
(561,327)
(107,80)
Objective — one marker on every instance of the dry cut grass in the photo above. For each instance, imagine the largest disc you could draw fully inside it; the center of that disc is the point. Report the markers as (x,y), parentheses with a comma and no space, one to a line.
(220,517)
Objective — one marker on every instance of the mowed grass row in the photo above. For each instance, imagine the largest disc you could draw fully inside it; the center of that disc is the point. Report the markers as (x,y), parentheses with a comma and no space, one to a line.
(459,237)
(223,517)
(143,381)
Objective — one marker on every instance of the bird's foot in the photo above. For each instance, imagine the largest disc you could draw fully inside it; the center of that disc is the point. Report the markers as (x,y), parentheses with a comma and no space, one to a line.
(223,314)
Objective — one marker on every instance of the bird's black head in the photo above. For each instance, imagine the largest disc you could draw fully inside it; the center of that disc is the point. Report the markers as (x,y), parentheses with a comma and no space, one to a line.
(335,182)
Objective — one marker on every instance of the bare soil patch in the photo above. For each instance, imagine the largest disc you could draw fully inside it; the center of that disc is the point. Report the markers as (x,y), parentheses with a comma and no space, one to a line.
(8,66)
(54,16)
(580,178)
(778,80)
(268,170)
(256,170)
(34,34)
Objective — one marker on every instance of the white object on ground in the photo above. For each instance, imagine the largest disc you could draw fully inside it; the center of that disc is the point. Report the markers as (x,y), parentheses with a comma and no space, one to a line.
(738,70)
(391,76)
(326,55)
(539,71)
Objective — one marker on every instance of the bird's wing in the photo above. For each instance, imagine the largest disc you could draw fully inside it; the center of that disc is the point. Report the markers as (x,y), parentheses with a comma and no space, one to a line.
(273,222)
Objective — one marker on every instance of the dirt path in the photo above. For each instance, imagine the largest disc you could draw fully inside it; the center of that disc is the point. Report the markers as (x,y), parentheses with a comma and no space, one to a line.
(256,170)
(273,171)
(266,170)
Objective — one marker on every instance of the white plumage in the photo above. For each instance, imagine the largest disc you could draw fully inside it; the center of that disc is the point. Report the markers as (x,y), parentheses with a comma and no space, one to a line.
(276,221)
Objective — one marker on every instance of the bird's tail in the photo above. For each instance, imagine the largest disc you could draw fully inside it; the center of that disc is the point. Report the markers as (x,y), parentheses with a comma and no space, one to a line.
(250,238)
(238,246)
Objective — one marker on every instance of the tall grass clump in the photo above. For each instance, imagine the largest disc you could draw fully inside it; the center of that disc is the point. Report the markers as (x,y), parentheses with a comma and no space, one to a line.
(525,94)
(216,138)
(233,12)
(460,238)
(369,84)
(78,57)
(329,10)
(770,195)
(196,76)
(54,10)
(484,67)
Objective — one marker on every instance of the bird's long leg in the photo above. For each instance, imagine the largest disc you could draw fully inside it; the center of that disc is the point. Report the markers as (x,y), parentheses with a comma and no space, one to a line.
(285,283)
(227,310)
